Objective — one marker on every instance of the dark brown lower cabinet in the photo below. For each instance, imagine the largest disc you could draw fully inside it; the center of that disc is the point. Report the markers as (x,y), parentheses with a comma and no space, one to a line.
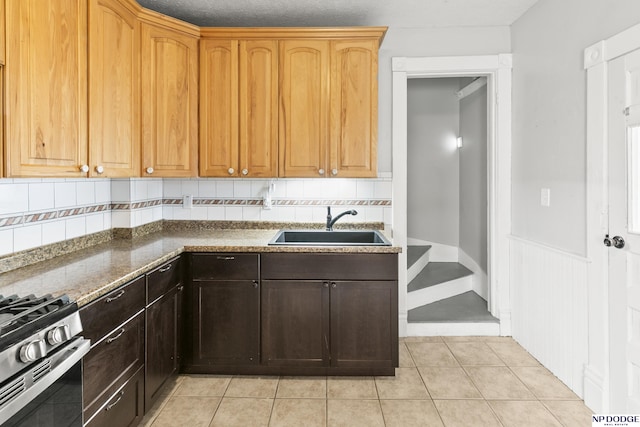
(163,339)
(126,406)
(295,323)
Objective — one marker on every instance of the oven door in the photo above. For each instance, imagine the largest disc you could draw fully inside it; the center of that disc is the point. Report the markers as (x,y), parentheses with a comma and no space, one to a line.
(49,393)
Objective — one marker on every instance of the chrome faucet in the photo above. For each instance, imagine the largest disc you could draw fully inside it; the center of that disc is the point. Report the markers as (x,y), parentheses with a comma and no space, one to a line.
(331,221)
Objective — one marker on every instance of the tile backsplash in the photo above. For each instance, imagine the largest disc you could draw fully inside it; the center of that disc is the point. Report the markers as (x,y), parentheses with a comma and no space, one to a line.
(36,212)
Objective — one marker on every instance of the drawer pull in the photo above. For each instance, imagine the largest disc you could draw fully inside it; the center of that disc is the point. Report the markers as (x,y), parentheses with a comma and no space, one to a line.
(111,405)
(225,258)
(110,340)
(111,299)
(165,269)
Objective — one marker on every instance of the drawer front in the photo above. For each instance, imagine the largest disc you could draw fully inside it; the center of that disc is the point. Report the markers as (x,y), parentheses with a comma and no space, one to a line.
(224,266)
(123,408)
(103,315)
(163,278)
(113,360)
(329,266)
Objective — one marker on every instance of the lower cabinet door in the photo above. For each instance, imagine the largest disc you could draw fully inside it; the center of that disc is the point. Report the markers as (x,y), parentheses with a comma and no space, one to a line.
(295,323)
(163,342)
(125,408)
(226,322)
(364,324)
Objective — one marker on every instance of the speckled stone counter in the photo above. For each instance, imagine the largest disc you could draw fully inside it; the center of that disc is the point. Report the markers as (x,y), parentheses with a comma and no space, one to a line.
(89,273)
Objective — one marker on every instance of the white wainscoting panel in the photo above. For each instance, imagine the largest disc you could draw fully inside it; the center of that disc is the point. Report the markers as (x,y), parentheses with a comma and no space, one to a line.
(549,308)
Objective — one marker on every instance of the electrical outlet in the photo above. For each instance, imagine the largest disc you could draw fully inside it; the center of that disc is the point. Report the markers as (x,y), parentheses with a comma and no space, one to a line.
(187,202)
(545,197)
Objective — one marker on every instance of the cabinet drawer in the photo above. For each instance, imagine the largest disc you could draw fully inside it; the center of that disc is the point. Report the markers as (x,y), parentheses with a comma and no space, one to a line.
(112,361)
(123,408)
(224,266)
(111,310)
(329,266)
(163,278)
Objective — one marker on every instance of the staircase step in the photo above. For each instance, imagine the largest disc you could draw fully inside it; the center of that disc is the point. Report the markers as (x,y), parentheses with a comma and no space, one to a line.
(466,307)
(414,253)
(438,272)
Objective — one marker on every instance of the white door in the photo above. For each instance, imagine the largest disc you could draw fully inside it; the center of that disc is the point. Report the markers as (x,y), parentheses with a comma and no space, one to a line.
(624,224)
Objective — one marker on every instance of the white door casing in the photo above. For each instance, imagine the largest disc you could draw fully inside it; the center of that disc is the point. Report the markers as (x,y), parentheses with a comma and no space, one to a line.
(624,222)
(497,69)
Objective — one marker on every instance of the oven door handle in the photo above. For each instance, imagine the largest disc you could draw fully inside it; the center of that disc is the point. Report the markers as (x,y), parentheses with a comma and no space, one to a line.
(61,362)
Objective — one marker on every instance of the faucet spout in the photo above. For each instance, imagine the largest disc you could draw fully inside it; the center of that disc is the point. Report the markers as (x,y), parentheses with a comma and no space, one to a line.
(331,221)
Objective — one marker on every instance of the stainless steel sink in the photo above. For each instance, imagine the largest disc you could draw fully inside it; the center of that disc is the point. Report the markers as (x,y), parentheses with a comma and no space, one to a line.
(329,238)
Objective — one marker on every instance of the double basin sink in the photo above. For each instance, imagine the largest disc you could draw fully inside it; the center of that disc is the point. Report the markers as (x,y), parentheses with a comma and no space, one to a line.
(329,238)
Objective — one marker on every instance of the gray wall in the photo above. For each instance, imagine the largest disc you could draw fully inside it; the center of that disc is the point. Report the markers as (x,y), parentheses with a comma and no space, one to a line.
(549,113)
(432,160)
(473,176)
(452,41)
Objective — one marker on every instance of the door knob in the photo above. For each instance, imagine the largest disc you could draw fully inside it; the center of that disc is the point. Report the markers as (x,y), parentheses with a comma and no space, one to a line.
(617,241)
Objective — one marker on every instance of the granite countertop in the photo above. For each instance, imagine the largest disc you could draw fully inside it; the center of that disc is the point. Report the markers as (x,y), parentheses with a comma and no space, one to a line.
(89,273)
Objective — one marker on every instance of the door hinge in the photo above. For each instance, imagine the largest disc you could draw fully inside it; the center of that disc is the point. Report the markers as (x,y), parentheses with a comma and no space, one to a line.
(626,111)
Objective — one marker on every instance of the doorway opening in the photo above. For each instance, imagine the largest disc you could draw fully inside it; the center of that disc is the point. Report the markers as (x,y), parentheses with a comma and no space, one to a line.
(447,201)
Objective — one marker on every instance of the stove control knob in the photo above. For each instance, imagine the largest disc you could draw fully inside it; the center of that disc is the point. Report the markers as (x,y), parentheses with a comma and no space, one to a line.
(58,335)
(33,351)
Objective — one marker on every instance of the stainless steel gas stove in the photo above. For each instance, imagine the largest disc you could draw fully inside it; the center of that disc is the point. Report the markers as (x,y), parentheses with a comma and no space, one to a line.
(40,354)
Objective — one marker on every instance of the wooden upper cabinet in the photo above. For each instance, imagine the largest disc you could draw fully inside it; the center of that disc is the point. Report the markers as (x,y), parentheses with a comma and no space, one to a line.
(218,107)
(238,108)
(2,35)
(304,108)
(114,90)
(46,81)
(354,108)
(169,81)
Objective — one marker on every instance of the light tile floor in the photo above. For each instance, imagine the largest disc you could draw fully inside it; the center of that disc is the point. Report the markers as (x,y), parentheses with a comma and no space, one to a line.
(450,381)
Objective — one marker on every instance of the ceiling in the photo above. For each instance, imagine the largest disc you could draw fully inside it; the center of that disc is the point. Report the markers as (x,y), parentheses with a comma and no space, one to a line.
(325,13)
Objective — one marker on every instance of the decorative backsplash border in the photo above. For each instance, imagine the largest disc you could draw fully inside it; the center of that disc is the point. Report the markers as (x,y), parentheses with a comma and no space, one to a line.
(31,218)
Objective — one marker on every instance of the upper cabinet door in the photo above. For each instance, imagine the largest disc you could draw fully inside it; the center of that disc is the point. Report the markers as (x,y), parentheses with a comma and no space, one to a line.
(259,108)
(218,107)
(46,80)
(304,107)
(354,108)
(114,90)
(169,102)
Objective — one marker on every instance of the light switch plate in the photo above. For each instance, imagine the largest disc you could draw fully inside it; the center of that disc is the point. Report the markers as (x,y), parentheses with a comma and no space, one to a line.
(545,197)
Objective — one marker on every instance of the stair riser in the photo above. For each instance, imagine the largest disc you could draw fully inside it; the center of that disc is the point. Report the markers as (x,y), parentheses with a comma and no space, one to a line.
(439,292)
(453,329)
(418,266)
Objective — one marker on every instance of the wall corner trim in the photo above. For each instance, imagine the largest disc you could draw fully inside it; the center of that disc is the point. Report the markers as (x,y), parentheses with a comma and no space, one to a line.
(594,54)
(505,60)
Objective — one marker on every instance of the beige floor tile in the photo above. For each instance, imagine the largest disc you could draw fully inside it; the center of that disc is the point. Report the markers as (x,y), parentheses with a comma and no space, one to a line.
(203,385)
(523,413)
(544,384)
(172,385)
(409,413)
(351,388)
(570,413)
(466,413)
(252,387)
(474,353)
(422,339)
(406,384)
(448,383)
(302,387)
(512,354)
(406,361)
(498,382)
(299,412)
(354,413)
(431,354)
(187,410)
(242,412)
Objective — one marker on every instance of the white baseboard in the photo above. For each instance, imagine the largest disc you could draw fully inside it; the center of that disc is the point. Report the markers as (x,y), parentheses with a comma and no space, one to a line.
(480,278)
(438,251)
(438,292)
(452,329)
(402,325)
(594,392)
(505,323)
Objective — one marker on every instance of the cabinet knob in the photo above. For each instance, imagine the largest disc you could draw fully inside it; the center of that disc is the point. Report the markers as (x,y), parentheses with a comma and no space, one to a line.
(325,285)
(149,170)
(231,171)
(255,284)
(84,168)
(334,172)
(245,171)
(99,169)
(321,171)
(333,285)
